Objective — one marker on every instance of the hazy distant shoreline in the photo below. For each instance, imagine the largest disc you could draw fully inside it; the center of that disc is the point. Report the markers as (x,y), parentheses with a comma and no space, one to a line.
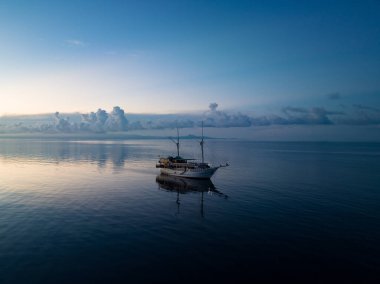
(127,136)
(89,136)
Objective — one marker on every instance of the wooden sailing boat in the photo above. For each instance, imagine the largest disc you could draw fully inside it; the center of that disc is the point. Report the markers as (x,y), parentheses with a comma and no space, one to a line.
(187,168)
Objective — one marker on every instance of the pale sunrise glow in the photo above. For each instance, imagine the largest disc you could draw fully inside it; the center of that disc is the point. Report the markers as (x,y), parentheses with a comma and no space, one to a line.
(262,65)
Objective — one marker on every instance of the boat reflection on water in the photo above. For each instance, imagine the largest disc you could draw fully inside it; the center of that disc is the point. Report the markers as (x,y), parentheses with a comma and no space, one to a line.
(185,185)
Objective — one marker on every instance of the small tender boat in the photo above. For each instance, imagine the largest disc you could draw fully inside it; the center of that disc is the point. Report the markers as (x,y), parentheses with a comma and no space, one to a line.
(187,168)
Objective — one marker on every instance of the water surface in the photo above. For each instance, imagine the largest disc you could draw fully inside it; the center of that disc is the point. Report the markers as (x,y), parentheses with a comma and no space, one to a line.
(98,211)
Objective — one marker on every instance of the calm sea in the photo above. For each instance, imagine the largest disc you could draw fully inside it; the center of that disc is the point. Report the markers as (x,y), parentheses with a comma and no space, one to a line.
(98,212)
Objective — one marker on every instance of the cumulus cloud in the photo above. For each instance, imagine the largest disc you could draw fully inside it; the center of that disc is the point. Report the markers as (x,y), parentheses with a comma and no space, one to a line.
(63,124)
(313,116)
(94,121)
(298,116)
(102,121)
(210,118)
(215,118)
(213,106)
(116,120)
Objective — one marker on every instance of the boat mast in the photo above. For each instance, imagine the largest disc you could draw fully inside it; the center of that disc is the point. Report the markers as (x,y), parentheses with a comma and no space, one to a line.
(202,142)
(176,142)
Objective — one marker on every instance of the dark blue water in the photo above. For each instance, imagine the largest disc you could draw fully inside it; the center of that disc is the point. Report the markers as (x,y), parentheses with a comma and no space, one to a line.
(97,212)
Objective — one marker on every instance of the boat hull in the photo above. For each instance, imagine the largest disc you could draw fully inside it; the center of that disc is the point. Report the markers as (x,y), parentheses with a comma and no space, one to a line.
(206,173)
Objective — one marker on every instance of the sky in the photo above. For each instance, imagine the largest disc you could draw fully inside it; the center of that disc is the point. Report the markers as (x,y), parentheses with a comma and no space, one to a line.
(263,59)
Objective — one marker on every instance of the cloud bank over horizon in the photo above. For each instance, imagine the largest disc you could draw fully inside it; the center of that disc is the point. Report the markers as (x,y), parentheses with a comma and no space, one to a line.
(118,120)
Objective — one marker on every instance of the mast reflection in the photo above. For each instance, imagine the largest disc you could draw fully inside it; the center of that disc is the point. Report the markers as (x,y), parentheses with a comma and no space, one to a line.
(185,185)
